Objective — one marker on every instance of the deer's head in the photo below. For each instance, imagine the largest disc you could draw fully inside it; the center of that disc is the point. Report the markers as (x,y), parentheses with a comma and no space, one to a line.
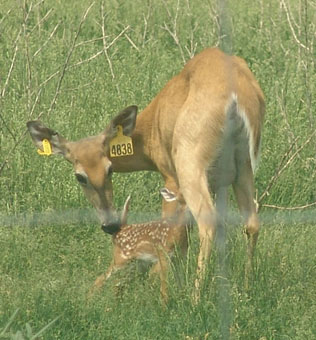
(90,158)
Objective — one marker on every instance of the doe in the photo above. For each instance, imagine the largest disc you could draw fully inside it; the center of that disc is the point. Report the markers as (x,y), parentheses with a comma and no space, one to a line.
(151,242)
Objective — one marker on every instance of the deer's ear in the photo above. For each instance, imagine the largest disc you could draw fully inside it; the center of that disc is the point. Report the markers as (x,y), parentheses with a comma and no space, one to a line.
(125,211)
(40,132)
(126,119)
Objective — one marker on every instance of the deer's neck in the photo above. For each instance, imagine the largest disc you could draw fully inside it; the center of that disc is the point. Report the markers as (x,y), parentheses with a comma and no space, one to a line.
(142,146)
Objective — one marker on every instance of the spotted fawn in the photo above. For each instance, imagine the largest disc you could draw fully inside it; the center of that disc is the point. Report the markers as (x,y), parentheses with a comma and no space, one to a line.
(151,242)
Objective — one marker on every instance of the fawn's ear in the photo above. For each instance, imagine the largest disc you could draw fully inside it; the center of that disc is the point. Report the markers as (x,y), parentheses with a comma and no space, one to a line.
(168,195)
(39,132)
(125,211)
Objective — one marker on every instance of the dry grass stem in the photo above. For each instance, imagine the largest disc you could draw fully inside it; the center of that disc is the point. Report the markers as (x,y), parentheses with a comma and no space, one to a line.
(301,207)
(282,167)
(131,42)
(173,32)
(40,22)
(289,20)
(62,74)
(63,71)
(46,42)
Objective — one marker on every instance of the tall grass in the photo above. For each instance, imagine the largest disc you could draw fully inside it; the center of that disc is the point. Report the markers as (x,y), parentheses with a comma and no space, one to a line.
(76,64)
(47,272)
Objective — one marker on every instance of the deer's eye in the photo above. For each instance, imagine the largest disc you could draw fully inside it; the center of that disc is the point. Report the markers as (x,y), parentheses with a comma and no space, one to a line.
(81,178)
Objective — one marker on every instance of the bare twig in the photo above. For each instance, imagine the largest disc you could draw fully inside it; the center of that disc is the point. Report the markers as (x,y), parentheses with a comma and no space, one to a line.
(27,52)
(213,12)
(88,41)
(46,42)
(145,29)
(42,20)
(53,75)
(173,32)
(288,16)
(131,42)
(82,61)
(118,36)
(80,87)
(301,207)
(283,166)
(35,103)
(274,178)
(39,3)
(18,141)
(283,111)
(53,102)
(12,63)
(3,91)
(7,127)
(6,15)
(193,45)
(86,60)
(146,18)
(105,47)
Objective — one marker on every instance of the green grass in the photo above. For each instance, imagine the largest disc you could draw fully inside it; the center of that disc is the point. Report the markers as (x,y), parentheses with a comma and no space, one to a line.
(51,247)
(47,272)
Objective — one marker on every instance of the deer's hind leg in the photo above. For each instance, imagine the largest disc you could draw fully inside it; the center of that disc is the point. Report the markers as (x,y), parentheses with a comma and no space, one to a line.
(244,192)
(194,188)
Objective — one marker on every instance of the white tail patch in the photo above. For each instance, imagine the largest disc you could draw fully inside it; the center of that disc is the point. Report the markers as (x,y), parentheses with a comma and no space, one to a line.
(234,108)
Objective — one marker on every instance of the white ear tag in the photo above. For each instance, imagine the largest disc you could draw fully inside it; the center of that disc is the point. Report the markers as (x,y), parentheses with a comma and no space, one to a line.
(121,145)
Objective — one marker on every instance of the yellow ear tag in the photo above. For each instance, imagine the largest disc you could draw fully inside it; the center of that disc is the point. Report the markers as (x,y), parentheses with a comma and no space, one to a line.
(121,145)
(46,147)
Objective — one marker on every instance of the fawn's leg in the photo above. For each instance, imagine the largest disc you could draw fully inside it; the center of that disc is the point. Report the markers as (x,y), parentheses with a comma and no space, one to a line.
(163,273)
(160,268)
(100,280)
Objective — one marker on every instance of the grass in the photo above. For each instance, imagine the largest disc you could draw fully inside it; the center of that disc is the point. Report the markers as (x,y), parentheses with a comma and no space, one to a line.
(52,249)
(51,270)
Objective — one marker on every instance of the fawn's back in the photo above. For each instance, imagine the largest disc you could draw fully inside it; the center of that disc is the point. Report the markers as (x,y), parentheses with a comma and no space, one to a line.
(144,240)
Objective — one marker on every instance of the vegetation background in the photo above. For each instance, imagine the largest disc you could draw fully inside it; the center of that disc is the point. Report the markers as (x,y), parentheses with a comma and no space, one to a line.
(75,64)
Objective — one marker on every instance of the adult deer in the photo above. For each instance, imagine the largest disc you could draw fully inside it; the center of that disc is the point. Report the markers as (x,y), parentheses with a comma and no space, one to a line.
(201,132)
(151,242)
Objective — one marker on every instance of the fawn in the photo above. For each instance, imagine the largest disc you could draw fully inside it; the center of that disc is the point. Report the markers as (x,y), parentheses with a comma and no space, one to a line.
(149,241)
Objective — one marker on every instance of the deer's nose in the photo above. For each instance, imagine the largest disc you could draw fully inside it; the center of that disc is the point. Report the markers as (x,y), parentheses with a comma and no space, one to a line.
(111,228)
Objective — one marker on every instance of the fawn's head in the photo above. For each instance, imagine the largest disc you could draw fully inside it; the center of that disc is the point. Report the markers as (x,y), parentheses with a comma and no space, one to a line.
(90,159)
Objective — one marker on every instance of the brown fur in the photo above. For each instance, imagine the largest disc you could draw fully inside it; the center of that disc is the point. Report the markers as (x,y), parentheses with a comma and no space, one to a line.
(189,134)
